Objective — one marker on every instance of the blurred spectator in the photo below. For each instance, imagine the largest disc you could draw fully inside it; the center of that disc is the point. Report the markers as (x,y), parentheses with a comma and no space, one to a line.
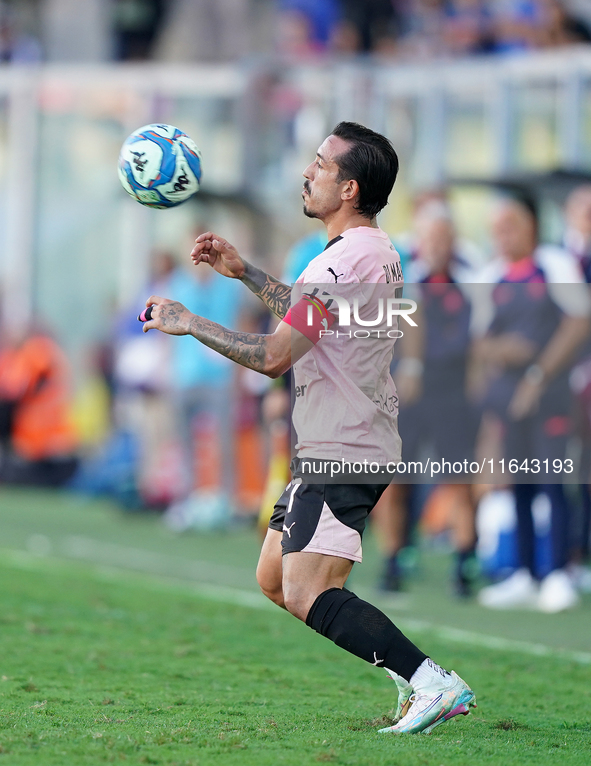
(577,235)
(539,322)
(467,257)
(38,443)
(306,27)
(138,464)
(422,23)
(295,36)
(367,26)
(577,240)
(204,391)
(435,415)
(136,24)
(432,212)
(516,24)
(560,27)
(143,407)
(92,410)
(206,30)
(16,45)
(467,28)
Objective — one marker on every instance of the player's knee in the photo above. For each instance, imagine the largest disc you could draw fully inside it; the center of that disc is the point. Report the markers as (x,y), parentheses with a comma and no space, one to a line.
(298,599)
(274,595)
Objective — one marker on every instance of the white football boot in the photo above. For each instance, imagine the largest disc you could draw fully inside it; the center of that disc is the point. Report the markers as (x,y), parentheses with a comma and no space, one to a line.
(518,590)
(430,709)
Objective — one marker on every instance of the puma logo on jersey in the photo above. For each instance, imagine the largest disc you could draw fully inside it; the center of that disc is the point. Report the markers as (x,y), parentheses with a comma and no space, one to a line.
(288,529)
(336,276)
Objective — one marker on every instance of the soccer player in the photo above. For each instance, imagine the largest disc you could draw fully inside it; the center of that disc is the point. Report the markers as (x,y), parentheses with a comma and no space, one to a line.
(345,410)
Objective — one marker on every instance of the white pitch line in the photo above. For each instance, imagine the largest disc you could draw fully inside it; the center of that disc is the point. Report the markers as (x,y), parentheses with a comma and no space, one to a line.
(113,554)
(460,636)
(112,573)
(254,600)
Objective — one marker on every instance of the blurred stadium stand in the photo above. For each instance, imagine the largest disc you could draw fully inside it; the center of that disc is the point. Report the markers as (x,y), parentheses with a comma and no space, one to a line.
(74,246)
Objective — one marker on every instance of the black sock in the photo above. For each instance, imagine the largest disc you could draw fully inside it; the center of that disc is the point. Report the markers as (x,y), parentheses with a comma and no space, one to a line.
(465,572)
(392,566)
(392,577)
(466,565)
(360,628)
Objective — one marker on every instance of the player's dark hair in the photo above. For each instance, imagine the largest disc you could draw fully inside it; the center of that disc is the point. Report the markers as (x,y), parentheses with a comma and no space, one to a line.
(371,161)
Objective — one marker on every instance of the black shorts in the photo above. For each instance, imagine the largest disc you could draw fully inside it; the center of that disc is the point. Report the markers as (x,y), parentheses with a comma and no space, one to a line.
(324,518)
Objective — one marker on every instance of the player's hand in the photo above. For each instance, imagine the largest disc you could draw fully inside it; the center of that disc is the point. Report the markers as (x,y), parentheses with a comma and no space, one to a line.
(508,350)
(220,254)
(408,378)
(525,400)
(168,316)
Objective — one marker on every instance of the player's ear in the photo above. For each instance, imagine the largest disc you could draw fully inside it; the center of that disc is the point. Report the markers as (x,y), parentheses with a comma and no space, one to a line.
(350,191)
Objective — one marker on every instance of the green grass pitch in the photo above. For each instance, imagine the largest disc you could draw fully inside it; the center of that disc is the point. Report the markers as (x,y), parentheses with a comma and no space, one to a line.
(101,665)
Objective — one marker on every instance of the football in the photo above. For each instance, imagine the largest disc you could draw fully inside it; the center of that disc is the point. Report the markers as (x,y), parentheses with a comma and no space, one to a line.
(160,166)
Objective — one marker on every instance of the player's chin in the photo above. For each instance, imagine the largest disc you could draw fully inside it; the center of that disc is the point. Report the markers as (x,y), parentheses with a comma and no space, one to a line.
(309,213)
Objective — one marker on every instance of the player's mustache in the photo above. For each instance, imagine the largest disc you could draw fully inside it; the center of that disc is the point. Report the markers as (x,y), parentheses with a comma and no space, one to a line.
(307,186)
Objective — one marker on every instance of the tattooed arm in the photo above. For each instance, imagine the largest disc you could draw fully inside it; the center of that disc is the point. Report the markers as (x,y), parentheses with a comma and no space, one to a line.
(224,258)
(271,354)
(274,294)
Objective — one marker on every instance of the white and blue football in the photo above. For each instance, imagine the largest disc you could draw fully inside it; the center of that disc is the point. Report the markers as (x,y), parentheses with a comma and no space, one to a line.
(160,166)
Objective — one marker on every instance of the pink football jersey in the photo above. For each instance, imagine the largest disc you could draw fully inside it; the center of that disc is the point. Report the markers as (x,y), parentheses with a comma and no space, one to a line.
(346,407)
